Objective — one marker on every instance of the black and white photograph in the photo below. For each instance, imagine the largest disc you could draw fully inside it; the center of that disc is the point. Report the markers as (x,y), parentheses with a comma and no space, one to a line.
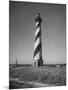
(37,44)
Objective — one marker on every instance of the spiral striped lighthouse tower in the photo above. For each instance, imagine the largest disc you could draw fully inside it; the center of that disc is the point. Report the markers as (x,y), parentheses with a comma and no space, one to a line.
(37,57)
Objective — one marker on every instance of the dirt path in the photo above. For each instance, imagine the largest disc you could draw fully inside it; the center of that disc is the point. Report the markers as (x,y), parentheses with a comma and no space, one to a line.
(35,84)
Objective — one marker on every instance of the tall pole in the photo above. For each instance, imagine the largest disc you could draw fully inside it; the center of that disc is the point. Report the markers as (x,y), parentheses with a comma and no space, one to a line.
(37,58)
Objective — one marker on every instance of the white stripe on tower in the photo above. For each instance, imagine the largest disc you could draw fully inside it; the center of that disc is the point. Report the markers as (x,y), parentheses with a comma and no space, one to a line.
(37,43)
(37,47)
(37,23)
(37,30)
(38,55)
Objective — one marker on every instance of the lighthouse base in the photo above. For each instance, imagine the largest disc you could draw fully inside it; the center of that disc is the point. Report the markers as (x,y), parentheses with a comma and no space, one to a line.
(38,63)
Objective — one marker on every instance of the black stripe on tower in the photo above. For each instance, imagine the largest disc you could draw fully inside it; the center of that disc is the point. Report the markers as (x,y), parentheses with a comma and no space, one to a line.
(38,25)
(38,48)
(38,35)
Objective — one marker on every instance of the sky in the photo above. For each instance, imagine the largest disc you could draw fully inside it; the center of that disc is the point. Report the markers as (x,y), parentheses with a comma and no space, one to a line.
(22,32)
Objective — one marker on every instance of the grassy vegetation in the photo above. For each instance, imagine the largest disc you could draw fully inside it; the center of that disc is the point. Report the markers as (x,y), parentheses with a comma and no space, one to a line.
(46,74)
(16,85)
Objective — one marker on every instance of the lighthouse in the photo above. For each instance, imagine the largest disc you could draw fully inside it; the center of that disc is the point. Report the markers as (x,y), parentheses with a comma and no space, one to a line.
(37,56)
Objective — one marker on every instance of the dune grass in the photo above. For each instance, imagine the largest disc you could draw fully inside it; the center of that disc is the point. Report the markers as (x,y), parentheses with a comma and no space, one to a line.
(47,75)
